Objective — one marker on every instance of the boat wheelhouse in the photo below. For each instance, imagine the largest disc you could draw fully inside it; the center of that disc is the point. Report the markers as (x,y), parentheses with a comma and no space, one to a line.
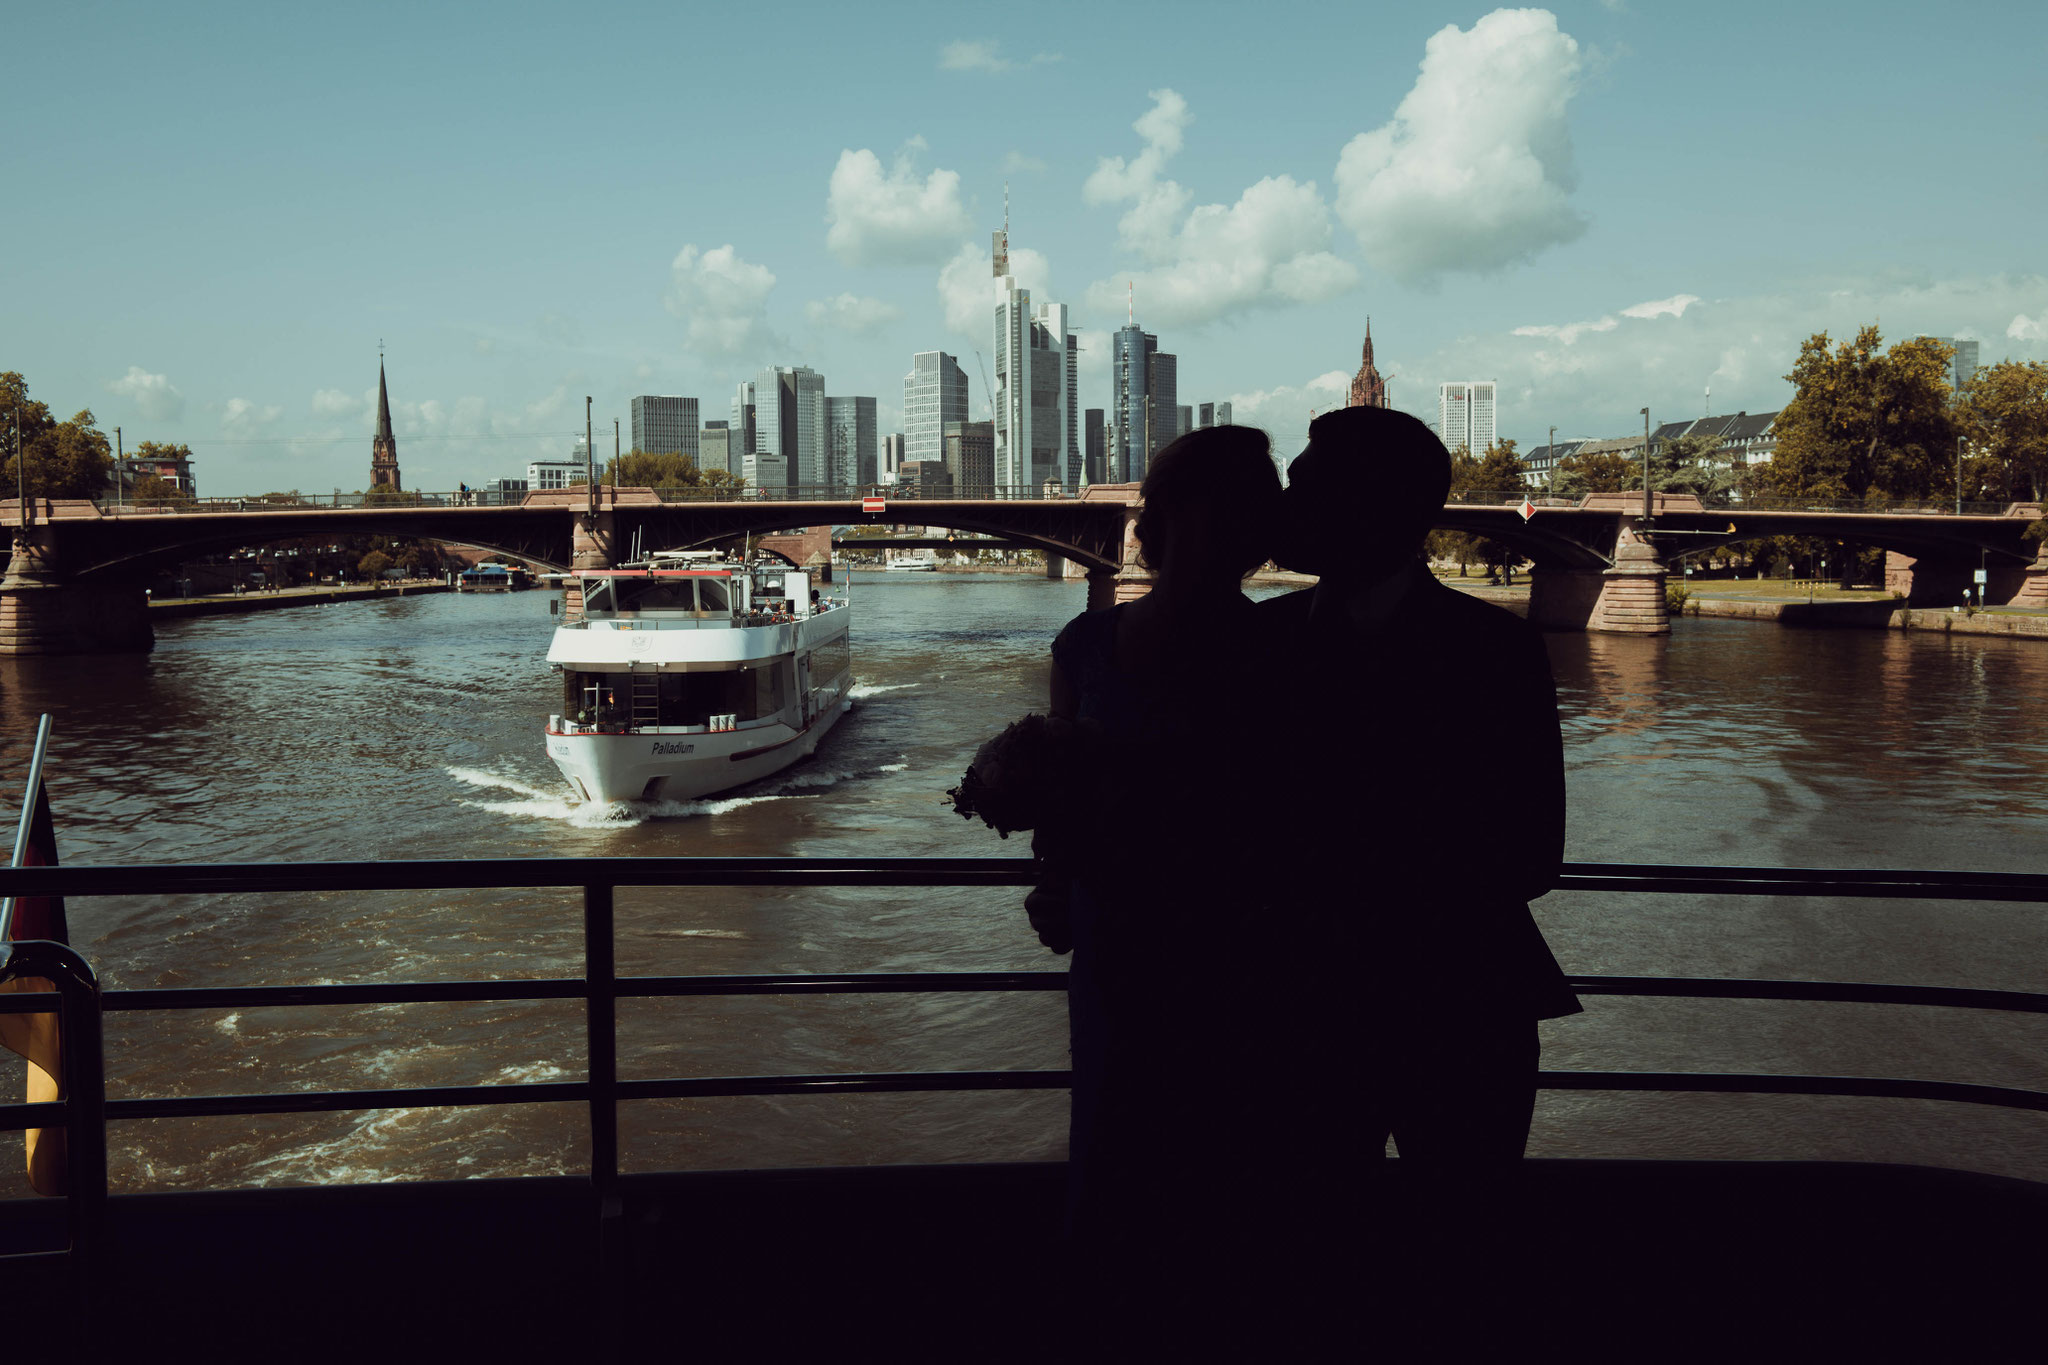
(493,577)
(686,674)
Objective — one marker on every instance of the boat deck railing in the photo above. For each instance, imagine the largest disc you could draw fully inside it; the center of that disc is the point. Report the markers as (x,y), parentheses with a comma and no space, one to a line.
(84,1112)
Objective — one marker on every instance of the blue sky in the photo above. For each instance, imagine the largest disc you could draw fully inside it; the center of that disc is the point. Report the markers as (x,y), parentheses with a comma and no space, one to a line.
(215,212)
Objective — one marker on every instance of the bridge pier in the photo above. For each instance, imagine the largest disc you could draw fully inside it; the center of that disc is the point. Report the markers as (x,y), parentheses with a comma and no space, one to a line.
(593,546)
(40,613)
(1133,575)
(1627,599)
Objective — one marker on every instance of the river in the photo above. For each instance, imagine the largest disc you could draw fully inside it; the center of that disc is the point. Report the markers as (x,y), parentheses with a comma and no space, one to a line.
(409,728)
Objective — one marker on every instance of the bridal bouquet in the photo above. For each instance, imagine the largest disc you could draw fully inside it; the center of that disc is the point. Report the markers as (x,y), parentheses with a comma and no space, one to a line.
(1034,771)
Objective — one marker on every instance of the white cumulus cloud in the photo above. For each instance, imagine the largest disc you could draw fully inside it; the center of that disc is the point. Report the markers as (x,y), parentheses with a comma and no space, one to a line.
(985,54)
(722,298)
(2024,328)
(1267,249)
(967,288)
(1285,410)
(893,216)
(335,403)
(154,396)
(1570,332)
(1474,171)
(1674,306)
(239,414)
(851,313)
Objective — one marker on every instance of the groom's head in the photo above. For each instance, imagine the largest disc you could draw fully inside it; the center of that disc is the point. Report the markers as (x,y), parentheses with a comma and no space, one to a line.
(1363,494)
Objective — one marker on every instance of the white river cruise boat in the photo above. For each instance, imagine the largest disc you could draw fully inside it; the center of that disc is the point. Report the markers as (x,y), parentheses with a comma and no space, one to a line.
(690,673)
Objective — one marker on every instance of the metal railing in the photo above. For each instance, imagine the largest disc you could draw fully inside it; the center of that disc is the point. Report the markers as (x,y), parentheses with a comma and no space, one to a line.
(1731,501)
(476,497)
(79,1002)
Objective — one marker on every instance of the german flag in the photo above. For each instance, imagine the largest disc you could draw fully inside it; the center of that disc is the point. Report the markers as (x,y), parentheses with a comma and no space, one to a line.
(34,1036)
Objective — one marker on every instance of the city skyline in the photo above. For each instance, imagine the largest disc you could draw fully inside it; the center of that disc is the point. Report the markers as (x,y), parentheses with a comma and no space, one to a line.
(1258,218)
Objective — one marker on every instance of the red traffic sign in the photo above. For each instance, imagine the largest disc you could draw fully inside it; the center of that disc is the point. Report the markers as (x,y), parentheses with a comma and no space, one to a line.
(1527,509)
(872,505)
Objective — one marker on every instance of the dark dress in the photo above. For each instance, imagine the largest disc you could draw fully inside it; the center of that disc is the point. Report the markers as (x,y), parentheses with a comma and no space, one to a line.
(1173,1025)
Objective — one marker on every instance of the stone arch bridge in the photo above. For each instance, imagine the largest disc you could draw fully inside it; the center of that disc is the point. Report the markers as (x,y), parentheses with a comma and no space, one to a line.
(75,579)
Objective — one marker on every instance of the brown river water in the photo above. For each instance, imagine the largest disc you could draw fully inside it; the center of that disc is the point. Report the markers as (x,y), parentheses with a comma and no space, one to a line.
(410,728)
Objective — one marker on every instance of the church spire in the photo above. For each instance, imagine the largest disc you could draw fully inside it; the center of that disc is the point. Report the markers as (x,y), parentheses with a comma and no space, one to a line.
(383,446)
(1368,388)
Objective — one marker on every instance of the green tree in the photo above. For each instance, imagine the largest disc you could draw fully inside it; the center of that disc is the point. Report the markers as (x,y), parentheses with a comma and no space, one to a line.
(70,459)
(151,491)
(391,497)
(642,469)
(2002,411)
(1499,472)
(1600,471)
(373,564)
(1865,422)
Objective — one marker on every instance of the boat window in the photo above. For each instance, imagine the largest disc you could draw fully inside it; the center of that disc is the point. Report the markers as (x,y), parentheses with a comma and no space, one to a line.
(830,659)
(596,698)
(597,594)
(713,596)
(767,689)
(693,698)
(656,595)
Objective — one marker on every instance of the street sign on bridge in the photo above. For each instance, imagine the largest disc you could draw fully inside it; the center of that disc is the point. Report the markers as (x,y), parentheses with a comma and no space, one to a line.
(873,505)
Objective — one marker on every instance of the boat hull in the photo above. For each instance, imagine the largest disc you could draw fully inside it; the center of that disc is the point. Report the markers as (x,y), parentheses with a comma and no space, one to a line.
(685,766)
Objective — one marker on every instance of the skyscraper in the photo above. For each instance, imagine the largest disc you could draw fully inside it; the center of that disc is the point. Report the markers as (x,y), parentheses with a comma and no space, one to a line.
(716,448)
(1097,447)
(934,393)
(665,425)
(970,456)
(892,456)
(850,454)
(744,426)
(1223,414)
(1144,402)
(1465,415)
(789,420)
(1036,424)
(1183,420)
(1965,363)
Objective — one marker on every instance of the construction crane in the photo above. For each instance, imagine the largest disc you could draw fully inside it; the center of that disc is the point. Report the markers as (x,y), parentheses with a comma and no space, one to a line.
(987,390)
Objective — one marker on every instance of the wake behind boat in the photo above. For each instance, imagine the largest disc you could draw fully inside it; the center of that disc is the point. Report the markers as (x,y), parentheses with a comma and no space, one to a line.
(689,674)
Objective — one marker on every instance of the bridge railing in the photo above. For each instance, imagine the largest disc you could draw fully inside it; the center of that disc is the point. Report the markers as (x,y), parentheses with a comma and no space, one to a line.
(1729,501)
(479,497)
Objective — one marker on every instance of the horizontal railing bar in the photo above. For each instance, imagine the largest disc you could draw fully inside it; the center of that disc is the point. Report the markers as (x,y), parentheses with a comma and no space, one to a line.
(1853,992)
(334,1101)
(568,873)
(1875,1087)
(904,983)
(394,993)
(856,983)
(50,1115)
(705,1087)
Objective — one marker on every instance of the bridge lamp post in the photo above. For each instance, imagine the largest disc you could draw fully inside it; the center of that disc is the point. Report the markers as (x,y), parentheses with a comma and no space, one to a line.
(1646,469)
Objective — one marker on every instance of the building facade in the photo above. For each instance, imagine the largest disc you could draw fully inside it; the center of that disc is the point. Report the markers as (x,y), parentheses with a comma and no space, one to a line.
(1144,402)
(1466,415)
(767,475)
(1183,419)
(1096,447)
(892,457)
(934,393)
(851,457)
(970,456)
(384,446)
(543,475)
(1037,423)
(664,425)
(716,449)
(1964,364)
(743,424)
(924,479)
(789,420)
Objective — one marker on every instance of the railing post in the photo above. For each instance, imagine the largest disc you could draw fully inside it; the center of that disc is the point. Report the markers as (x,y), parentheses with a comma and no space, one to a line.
(601,983)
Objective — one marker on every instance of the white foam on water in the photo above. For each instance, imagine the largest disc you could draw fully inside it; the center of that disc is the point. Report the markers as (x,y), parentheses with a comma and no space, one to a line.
(862,691)
(230,1024)
(559,805)
(892,767)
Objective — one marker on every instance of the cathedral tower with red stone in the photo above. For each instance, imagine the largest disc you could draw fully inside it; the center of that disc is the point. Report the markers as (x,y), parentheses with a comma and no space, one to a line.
(1368,389)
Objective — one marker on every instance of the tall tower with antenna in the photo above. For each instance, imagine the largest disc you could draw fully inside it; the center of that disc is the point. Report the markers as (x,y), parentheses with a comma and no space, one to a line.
(1037,425)
(383,446)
